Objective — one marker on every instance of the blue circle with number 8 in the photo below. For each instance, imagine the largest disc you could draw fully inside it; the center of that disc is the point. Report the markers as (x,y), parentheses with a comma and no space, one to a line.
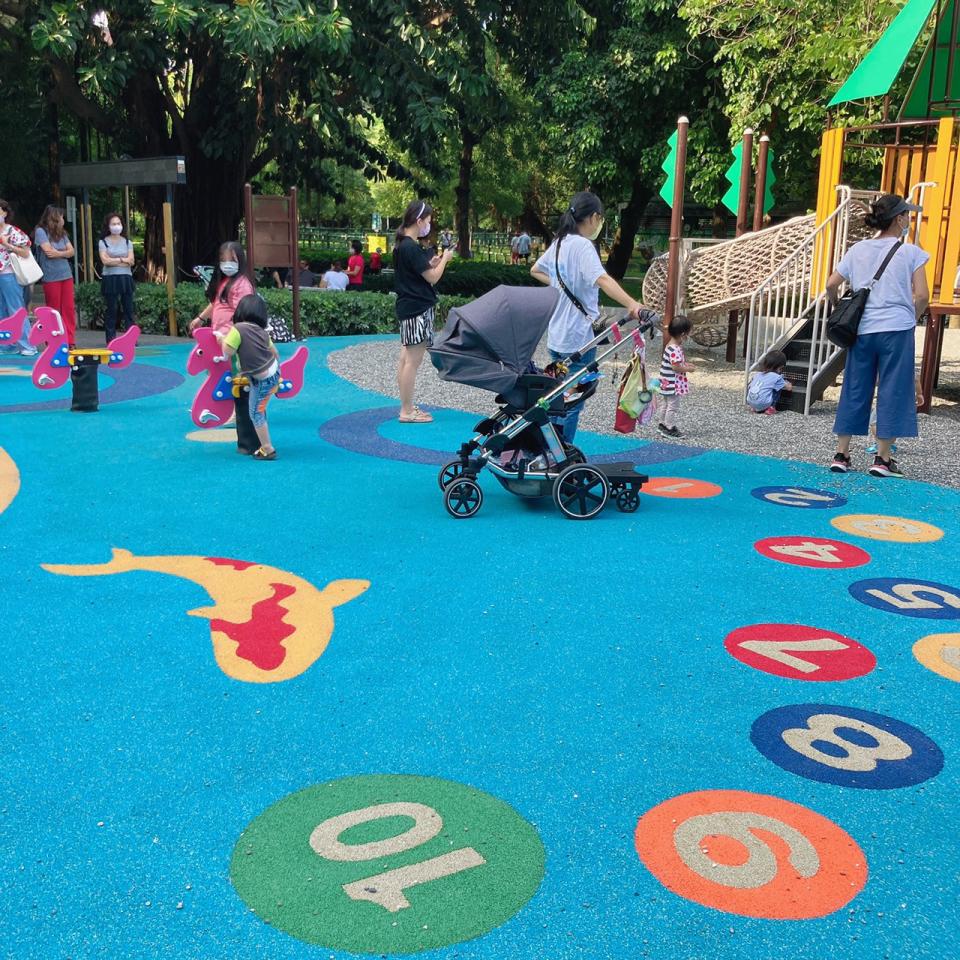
(909,598)
(846,746)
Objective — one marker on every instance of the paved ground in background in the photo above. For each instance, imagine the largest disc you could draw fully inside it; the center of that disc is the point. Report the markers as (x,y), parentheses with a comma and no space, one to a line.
(714,415)
(294,710)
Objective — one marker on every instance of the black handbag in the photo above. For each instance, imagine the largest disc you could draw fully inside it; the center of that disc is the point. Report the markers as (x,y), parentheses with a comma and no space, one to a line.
(844,320)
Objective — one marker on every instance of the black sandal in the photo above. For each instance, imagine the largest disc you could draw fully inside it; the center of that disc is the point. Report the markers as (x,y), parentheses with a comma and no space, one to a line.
(260,455)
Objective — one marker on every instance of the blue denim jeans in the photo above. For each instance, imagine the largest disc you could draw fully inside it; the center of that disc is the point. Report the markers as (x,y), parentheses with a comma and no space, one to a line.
(260,393)
(571,420)
(885,362)
(11,300)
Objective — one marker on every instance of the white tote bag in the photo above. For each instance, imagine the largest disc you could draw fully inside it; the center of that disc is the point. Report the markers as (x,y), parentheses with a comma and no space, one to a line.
(25,269)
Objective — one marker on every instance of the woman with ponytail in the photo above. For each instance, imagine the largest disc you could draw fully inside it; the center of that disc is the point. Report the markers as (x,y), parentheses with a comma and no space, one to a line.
(415,275)
(572,265)
(882,357)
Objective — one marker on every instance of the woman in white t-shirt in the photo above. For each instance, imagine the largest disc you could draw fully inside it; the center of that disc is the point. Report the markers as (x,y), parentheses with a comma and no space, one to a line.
(883,356)
(573,258)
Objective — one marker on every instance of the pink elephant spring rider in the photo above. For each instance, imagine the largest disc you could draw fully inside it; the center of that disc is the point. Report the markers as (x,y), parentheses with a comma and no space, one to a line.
(213,404)
(56,361)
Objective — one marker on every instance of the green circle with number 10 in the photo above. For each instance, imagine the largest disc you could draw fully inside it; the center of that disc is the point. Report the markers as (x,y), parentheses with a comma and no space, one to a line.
(387,864)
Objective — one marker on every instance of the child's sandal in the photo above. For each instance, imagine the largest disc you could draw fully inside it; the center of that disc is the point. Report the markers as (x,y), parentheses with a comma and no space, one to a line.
(261,454)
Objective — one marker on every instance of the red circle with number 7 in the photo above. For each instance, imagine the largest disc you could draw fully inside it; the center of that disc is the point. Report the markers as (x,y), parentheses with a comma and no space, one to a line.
(799,652)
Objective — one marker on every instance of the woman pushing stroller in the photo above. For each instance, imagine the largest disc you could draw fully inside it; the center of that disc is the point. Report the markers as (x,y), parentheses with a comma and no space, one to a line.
(572,265)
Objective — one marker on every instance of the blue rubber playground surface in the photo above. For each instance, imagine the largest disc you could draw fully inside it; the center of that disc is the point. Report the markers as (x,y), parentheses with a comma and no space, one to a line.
(295,710)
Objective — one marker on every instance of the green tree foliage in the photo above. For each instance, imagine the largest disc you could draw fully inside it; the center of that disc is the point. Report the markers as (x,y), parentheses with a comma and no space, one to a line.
(779,63)
(614,98)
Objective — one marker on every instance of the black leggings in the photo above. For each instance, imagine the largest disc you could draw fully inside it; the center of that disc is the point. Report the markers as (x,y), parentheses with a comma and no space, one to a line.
(116,288)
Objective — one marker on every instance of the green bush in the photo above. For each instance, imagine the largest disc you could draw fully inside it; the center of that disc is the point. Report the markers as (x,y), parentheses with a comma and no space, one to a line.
(323,314)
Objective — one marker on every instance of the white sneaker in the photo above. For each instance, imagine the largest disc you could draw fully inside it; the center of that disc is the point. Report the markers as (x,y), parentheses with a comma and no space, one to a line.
(29,352)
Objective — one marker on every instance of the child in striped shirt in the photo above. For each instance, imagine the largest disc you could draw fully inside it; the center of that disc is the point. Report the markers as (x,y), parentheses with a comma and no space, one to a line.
(673,377)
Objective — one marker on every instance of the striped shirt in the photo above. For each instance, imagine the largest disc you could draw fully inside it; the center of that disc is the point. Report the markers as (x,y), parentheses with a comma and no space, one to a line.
(673,383)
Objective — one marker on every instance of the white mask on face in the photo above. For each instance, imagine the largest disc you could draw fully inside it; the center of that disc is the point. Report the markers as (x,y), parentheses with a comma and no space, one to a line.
(116,229)
(229,268)
(424,230)
(596,233)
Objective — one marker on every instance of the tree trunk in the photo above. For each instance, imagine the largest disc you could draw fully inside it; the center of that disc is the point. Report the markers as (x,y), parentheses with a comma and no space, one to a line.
(463,191)
(630,217)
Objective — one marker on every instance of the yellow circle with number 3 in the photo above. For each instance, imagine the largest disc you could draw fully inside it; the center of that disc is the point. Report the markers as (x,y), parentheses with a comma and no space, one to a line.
(940,652)
(874,526)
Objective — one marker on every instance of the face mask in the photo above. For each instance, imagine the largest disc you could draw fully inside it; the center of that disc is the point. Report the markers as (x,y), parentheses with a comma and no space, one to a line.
(424,231)
(596,233)
(116,229)
(229,268)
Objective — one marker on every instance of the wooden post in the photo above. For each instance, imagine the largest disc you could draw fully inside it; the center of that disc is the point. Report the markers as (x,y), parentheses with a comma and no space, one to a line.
(87,238)
(759,195)
(170,266)
(676,228)
(743,209)
(295,260)
(760,183)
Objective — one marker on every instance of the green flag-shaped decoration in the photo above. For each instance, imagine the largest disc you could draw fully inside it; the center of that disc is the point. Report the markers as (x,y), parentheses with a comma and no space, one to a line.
(731,199)
(768,186)
(669,167)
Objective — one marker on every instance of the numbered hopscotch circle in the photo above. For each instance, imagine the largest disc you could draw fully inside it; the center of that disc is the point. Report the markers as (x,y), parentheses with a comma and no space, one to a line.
(680,488)
(751,854)
(874,526)
(799,652)
(812,552)
(910,598)
(387,864)
(940,652)
(804,497)
(846,746)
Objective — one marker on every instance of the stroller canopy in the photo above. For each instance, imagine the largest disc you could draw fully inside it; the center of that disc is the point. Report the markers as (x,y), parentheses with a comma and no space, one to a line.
(489,343)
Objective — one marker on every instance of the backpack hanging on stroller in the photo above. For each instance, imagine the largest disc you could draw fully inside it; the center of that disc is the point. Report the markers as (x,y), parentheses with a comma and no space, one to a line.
(489,344)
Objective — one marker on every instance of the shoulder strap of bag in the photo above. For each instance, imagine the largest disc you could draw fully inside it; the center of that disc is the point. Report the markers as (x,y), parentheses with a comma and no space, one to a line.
(886,260)
(566,289)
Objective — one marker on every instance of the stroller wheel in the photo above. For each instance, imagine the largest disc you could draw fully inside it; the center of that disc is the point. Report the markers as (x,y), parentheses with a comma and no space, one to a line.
(581,491)
(462,498)
(628,501)
(448,473)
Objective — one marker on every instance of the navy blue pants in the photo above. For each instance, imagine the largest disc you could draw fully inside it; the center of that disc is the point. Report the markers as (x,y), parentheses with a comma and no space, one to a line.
(883,362)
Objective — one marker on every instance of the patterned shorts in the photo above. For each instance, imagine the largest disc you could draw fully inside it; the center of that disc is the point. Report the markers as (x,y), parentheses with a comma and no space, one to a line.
(418,329)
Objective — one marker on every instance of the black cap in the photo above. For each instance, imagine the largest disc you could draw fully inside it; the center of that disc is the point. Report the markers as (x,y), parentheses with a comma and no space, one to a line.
(891,205)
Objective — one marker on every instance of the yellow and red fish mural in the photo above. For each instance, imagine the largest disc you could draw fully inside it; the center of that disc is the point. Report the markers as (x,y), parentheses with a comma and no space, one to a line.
(266,624)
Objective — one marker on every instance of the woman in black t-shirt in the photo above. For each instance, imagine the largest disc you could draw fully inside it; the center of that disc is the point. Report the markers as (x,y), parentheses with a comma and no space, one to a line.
(415,273)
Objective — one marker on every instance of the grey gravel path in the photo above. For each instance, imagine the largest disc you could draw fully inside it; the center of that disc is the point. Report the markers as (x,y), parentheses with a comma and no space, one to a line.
(712,416)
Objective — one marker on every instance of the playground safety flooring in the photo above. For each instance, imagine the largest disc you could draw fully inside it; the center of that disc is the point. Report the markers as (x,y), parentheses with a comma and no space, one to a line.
(295,710)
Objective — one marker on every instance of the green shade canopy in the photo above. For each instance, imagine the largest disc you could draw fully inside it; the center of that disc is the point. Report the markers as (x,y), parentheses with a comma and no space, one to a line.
(877,71)
(922,96)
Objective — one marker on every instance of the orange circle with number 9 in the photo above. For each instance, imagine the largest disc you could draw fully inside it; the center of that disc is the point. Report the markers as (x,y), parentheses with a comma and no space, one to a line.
(751,854)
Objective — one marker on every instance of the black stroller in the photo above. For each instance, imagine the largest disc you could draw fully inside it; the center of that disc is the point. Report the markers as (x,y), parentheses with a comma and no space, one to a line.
(489,343)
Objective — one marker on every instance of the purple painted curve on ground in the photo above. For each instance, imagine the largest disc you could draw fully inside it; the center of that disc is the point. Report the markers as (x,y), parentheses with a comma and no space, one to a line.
(132,383)
(359,432)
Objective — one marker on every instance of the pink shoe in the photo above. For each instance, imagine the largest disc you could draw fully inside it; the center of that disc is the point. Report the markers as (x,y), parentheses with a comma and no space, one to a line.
(770,411)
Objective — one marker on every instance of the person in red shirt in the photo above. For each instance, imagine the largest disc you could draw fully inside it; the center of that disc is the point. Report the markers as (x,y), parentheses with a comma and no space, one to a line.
(355,266)
(376,262)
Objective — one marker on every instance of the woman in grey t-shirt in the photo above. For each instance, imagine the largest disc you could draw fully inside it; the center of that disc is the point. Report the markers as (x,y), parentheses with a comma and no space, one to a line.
(882,357)
(116,255)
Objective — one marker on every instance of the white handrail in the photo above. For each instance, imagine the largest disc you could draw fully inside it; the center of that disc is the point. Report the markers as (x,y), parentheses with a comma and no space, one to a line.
(785,297)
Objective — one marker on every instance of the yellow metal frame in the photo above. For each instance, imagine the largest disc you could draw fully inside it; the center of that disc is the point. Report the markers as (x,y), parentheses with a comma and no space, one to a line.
(831,169)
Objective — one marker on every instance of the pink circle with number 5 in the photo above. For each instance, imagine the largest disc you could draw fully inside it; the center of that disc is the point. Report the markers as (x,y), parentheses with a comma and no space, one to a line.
(799,652)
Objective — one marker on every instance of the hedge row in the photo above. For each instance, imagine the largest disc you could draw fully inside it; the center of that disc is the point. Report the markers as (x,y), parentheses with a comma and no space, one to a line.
(322,314)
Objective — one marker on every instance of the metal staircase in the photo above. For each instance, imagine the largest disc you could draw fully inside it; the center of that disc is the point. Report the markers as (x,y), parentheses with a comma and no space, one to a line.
(789,310)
